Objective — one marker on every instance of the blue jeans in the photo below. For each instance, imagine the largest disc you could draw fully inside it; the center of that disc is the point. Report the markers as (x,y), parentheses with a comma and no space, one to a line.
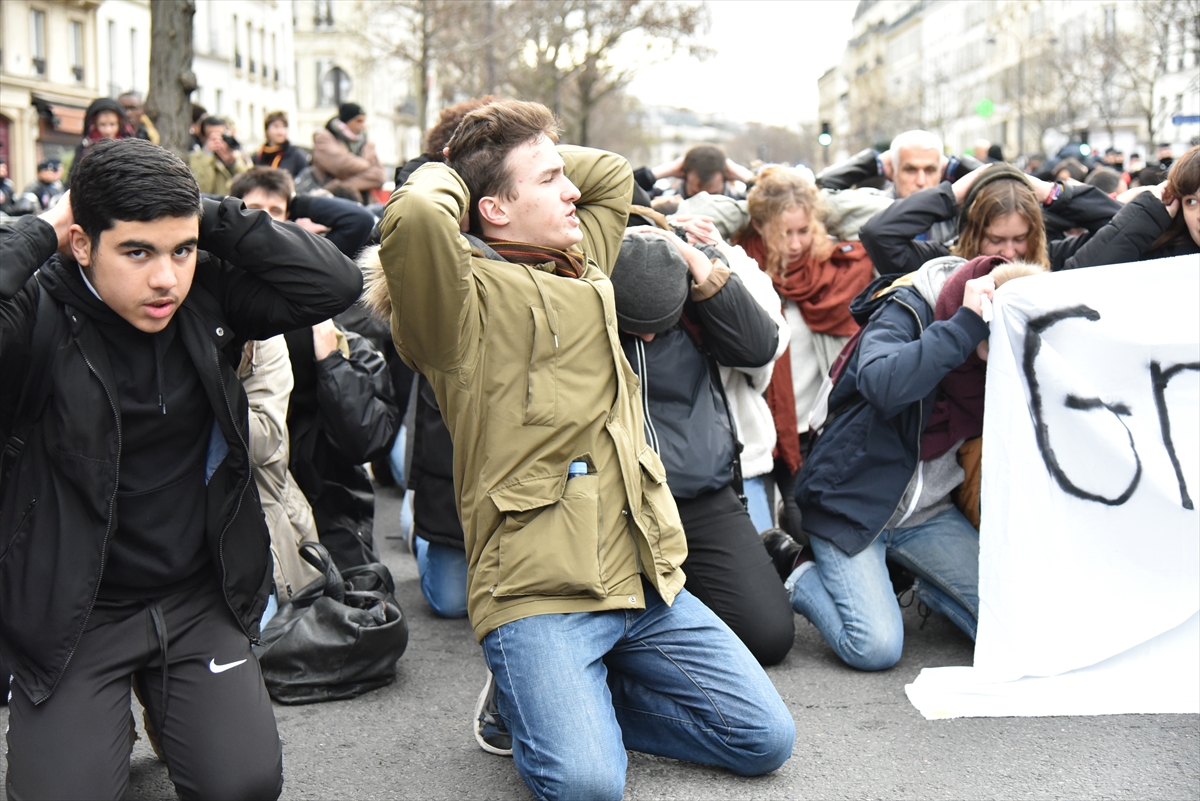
(757,504)
(576,690)
(443,572)
(850,598)
(396,456)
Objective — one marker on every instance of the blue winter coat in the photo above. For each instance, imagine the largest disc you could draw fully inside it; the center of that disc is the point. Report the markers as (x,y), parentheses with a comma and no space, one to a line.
(858,469)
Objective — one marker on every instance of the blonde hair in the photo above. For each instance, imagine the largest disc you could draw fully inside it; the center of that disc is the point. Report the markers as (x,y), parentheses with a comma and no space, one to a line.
(778,190)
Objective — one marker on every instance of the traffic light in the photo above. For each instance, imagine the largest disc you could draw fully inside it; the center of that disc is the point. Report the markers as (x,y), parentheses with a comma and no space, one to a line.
(825,137)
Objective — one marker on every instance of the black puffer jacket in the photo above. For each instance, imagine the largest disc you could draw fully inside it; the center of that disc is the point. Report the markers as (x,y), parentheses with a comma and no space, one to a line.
(253,280)
(888,236)
(1130,235)
(431,474)
(342,413)
(687,422)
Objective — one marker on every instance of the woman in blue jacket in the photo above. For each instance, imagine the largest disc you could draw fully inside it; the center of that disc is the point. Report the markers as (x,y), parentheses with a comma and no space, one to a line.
(876,486)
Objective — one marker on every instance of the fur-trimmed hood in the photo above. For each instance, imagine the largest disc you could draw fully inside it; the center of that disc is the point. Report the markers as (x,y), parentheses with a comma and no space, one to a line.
(375,295)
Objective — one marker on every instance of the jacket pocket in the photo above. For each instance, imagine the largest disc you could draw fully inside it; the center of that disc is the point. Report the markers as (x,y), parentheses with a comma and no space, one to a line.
(22,528)
(542,390)
(549,537)
(659,516)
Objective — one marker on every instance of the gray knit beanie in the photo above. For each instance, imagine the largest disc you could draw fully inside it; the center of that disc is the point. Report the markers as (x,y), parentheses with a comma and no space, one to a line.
(650,283)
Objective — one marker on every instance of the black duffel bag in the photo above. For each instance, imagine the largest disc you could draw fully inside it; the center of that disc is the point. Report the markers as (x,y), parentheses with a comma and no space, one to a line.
(336,638)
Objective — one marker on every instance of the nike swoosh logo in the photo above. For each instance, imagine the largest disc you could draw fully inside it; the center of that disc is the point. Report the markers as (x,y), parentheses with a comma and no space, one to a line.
(215,668)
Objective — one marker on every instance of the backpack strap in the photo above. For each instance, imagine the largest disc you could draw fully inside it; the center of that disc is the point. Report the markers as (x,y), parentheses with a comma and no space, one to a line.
(36,388)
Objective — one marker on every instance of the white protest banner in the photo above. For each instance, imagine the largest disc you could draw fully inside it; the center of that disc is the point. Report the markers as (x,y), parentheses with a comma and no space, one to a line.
(1089,565)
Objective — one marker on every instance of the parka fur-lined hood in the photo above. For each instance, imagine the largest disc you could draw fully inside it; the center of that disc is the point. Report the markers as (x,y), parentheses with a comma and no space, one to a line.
(375,295)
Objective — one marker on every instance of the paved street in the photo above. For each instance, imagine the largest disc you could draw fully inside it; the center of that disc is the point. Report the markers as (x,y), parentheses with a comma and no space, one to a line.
(857,734)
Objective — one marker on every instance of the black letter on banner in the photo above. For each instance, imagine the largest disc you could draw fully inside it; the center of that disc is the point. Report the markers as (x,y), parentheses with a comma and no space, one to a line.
(1161,378)
(1033,344)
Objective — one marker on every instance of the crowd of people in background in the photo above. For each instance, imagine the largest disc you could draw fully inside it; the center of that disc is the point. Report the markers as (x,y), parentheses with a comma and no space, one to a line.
(757,391)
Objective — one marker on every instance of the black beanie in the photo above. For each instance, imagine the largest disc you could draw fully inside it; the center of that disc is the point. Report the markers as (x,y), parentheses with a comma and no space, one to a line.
(348,111)
(650,283)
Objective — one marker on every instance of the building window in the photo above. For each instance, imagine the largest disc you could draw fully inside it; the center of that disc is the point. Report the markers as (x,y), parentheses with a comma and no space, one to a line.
(250,47)
(324,16)
(220,103)
(334,87)
(133,59)
(37,38)
(214,38)
(1110,22)
(76,50)
(113,91)
(237,46)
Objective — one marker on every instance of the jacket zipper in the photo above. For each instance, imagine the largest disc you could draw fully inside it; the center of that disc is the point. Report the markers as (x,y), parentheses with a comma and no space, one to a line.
(920,414)
(112,502)
(17,530)
(241,495)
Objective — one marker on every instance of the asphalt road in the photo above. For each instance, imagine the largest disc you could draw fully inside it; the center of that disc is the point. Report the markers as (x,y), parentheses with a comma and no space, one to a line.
(857,736)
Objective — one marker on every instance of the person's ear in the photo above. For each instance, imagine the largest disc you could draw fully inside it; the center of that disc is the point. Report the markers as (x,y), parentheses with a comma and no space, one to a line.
(81,245)
(492,212)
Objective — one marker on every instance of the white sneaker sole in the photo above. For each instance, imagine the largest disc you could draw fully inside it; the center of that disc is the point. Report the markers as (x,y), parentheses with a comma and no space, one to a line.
(475,724)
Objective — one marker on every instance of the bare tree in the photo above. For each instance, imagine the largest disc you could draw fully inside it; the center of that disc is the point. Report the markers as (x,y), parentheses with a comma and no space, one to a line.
(168,103)
(603,24)
(418,33)
(570,47)
(618,125)
(1139,56)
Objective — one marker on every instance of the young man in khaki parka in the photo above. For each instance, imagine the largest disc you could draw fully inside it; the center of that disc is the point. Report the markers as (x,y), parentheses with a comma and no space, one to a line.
(572,537)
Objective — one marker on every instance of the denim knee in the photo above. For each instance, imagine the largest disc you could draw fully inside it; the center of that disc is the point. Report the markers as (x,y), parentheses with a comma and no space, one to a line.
(770,745)
(581,779)
(877,649)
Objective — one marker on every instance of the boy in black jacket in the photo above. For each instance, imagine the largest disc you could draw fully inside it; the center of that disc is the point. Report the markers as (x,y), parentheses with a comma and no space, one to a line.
(132,544)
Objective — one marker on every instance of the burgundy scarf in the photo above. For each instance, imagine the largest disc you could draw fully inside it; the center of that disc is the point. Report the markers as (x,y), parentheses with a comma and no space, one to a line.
(566,263)
(958,411)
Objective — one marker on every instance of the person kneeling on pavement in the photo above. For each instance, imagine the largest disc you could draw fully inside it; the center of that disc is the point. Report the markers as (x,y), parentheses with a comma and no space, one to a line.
(877,485)
(681,314)
(574,544)
(136,467)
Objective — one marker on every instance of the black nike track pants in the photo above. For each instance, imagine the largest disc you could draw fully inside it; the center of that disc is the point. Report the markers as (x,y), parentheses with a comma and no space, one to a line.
(729,570)
(217,731)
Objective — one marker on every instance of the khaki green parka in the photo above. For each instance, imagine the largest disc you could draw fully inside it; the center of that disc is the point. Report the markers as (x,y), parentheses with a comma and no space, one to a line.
(529,374)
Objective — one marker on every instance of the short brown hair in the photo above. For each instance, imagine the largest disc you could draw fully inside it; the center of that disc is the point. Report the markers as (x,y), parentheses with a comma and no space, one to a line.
(1183,179)
(705,161)
(275,116)
(437,137)
(269,179)
(483,141)
(1000,198)
(780,189)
